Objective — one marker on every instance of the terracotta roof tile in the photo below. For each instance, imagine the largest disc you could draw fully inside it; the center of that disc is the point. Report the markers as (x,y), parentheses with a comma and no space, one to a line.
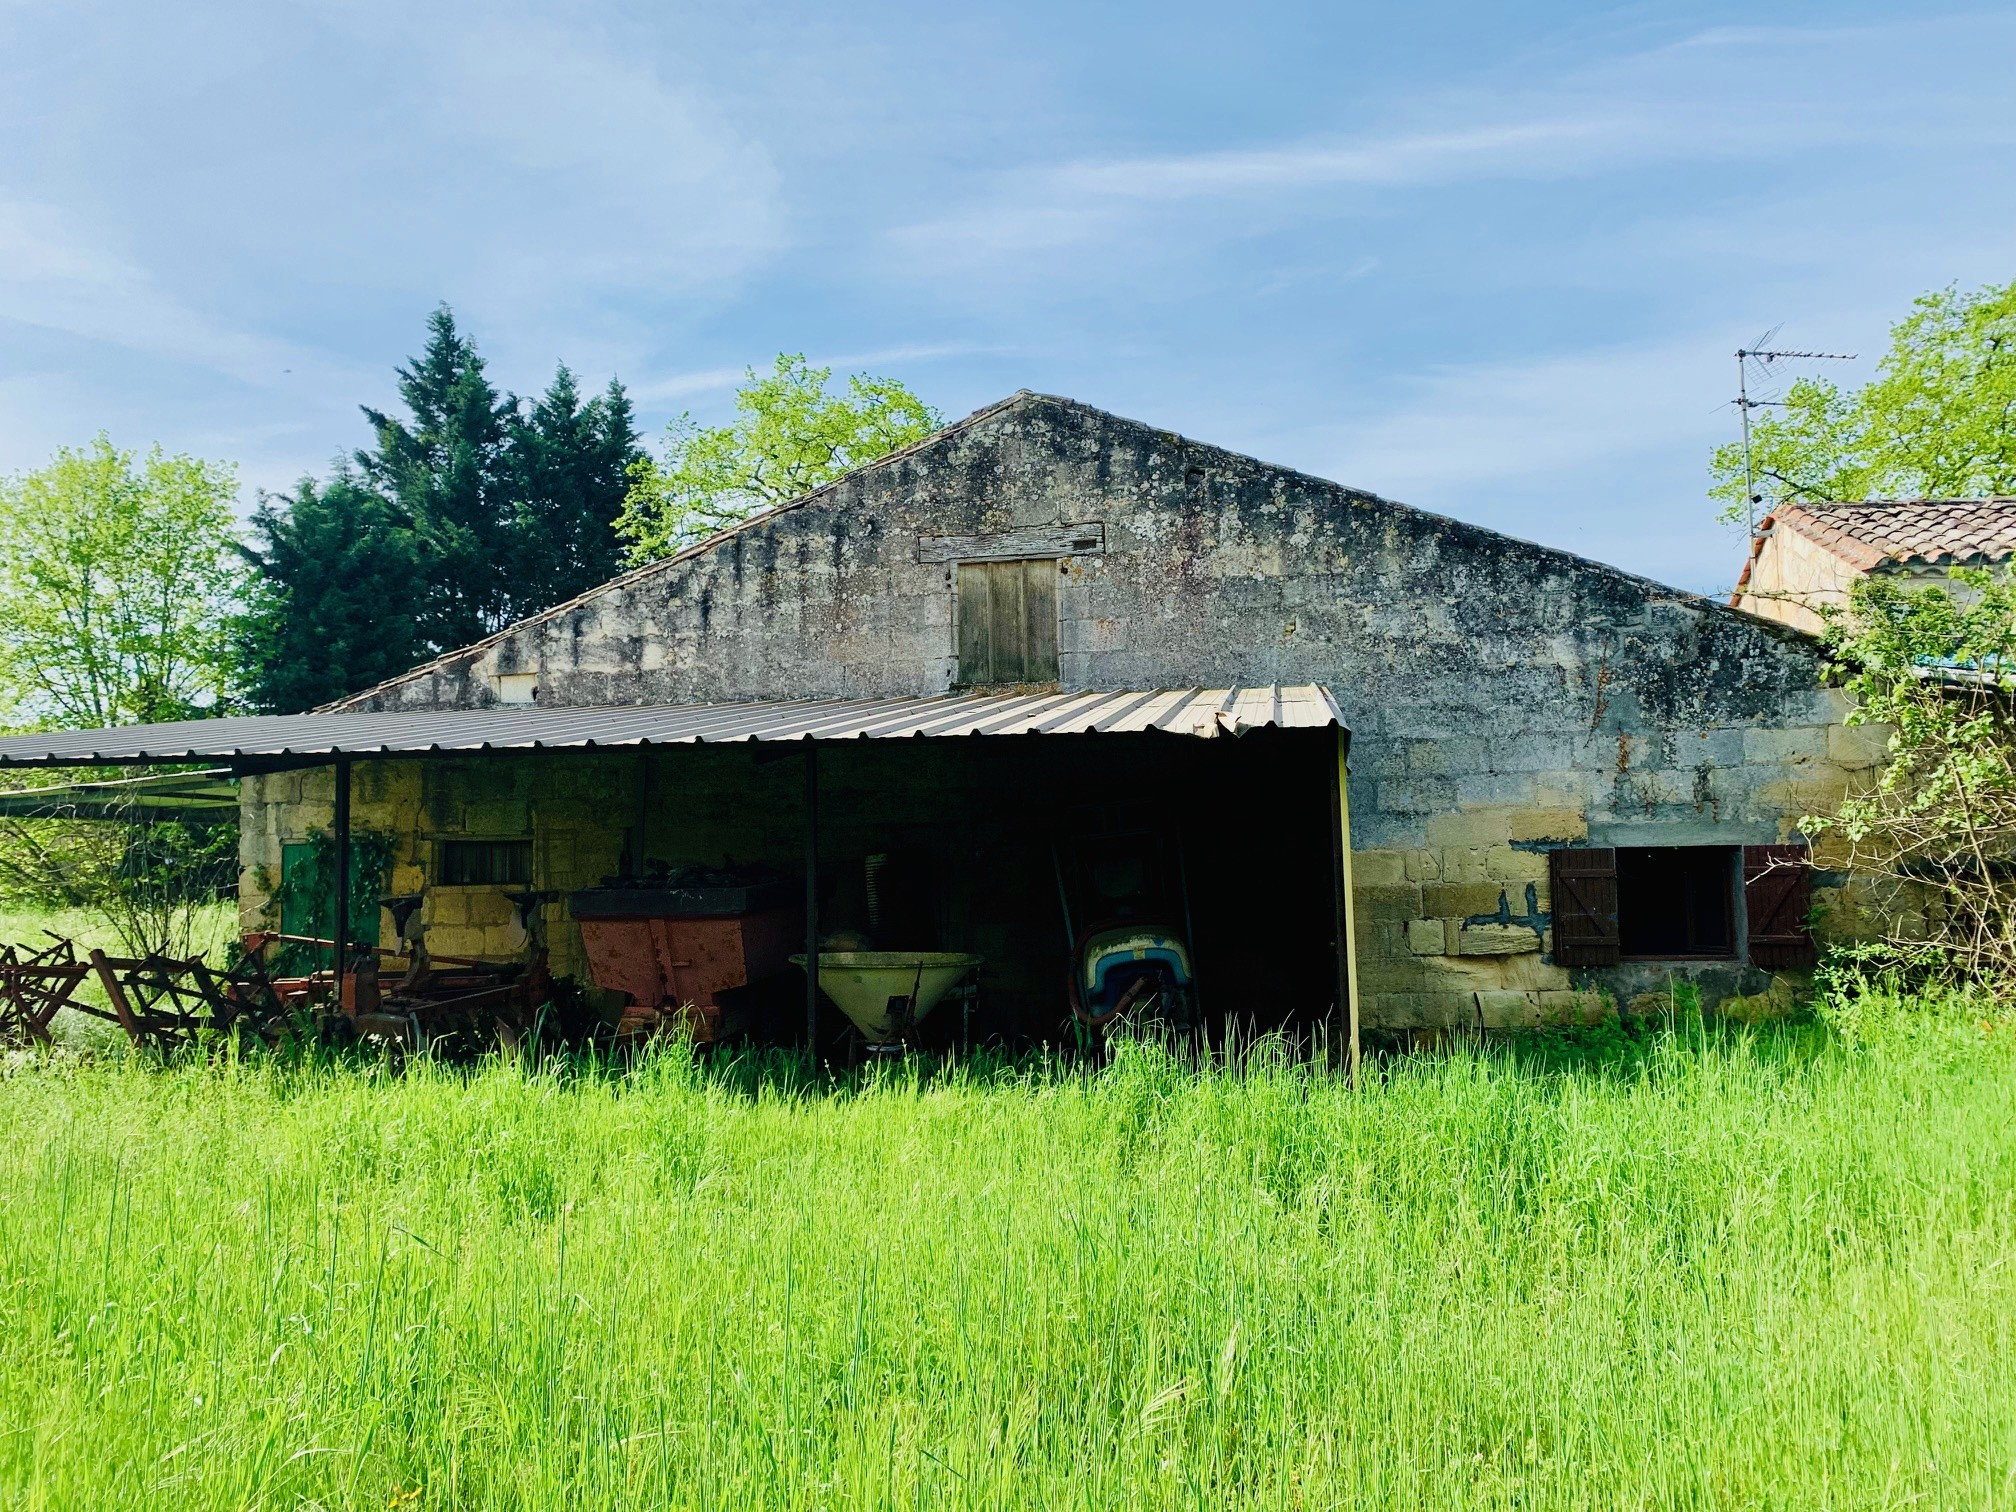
(1909,532)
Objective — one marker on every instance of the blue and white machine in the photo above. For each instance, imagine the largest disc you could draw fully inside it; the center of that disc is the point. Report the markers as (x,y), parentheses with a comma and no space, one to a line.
(1140,971)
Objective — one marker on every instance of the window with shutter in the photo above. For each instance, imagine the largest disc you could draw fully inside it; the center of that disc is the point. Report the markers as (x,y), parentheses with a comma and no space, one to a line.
(1778,897)
(1677,902)
(1007,623)
(1584,887)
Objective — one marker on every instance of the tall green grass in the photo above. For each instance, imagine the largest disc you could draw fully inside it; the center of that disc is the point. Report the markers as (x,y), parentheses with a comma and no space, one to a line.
(1769,1271)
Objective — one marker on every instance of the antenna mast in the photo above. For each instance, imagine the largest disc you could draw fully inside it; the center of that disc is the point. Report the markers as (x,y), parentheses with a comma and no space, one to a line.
(1745,404)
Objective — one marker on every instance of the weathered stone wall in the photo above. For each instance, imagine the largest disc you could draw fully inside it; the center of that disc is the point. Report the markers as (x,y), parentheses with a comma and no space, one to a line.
(1502,696)
(577,837)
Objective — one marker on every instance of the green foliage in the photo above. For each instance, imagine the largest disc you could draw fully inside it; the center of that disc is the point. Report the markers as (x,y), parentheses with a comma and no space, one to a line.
(792,435)
(442,467)
(306,896)
(1768,1271)
(55,862)
(472,510)
(1936,825)
(569,464)
(333,606)
(143,881)
(118,586)
(1870,999)
(1939,421)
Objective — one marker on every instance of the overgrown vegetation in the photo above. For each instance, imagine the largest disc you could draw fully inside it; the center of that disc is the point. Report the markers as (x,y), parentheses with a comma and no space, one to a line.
(1708,1271)
(305,898)
(140,883)
(792,434)
(1931,838)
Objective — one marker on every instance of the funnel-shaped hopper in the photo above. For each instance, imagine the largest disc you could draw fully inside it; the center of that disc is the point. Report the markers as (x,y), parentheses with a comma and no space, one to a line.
(884,992)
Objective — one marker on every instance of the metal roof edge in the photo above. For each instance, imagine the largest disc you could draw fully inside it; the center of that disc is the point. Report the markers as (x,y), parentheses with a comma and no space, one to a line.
(256,741)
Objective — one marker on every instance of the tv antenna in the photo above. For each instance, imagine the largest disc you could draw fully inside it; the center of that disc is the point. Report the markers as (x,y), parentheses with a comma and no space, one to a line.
(1745,404)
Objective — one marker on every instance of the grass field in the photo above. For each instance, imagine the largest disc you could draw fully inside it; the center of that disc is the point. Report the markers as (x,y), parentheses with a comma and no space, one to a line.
(1702,1271)
(216,926)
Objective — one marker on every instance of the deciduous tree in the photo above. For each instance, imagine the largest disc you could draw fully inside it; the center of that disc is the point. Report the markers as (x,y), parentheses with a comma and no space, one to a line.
(1939,420)
(791,435)
(120,581)
(1933,831)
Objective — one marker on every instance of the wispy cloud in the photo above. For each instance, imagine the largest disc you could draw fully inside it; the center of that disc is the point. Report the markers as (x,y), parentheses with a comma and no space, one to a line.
(1405,159)
(55,273)
(1727,94)
(675,386)
(619,176)
(1084,200)
(1461,425)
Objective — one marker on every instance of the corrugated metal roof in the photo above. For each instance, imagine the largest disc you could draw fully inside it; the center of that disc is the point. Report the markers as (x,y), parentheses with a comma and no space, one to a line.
(1183,711)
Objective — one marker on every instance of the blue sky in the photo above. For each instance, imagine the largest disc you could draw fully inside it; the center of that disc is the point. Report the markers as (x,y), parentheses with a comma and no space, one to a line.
(1488,259)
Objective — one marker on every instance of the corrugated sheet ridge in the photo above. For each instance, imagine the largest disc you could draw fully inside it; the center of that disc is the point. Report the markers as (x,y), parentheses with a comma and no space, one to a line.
(1192,711)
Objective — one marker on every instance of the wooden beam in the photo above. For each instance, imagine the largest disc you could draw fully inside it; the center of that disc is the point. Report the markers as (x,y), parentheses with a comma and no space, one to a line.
(1347,908)
(341,933)
(1042,541)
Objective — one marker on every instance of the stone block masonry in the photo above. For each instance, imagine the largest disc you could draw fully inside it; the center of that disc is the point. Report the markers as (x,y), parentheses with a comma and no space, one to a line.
(1503,698)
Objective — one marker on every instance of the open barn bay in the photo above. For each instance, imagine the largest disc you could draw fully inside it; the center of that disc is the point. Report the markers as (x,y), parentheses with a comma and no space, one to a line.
(1701,1271)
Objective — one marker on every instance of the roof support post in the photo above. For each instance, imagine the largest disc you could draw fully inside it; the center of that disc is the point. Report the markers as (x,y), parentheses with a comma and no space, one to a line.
(341,933)
(1347,909)
(812,900)
(638,865)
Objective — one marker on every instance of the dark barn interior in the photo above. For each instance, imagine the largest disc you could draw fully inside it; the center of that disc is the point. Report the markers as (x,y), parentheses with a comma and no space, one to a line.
(1012,847)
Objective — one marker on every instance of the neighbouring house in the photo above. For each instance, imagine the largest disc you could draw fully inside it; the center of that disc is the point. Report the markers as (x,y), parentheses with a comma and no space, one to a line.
(1571,788)
(1805,557)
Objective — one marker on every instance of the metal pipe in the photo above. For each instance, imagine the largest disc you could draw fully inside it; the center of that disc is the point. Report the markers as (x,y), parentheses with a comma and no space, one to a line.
(1743,409)
(1064,901)
(812,898)
(340,934)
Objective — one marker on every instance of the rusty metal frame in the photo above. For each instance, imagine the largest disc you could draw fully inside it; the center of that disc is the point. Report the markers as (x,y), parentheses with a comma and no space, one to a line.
(34,988)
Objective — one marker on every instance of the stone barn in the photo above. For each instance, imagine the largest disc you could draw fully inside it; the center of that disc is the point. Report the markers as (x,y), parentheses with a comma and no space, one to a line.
(1570,788)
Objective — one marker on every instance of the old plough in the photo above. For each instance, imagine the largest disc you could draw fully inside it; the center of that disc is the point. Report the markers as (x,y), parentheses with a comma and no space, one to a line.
(163,1003)
(34,987)
(166,1004)
(415,999)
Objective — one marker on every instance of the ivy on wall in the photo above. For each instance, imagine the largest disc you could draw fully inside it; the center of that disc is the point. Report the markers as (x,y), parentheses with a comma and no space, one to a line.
(305,901)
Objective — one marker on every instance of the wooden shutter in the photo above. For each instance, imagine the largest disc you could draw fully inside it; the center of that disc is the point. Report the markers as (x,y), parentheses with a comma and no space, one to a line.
(1007,623)
(1778,898)
(1584,886)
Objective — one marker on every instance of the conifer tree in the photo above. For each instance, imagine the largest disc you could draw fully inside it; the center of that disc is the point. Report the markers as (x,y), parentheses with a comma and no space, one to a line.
(444,469)
(472,510)
(570,465)
(336,602)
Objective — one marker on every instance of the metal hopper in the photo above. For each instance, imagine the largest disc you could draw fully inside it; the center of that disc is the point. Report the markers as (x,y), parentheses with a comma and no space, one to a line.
(885,992)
